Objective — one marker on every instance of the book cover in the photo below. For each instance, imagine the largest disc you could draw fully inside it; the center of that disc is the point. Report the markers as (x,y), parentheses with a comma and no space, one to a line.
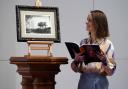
(90,51)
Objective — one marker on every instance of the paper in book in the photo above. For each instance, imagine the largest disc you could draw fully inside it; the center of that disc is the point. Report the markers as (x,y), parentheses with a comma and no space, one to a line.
(90,51)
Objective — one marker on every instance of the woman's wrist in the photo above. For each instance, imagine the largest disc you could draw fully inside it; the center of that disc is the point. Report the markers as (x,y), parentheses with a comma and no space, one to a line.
(104,61)
(76,62)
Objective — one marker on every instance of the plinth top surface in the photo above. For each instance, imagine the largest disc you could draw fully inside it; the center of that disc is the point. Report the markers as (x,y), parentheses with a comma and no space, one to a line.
(39,59)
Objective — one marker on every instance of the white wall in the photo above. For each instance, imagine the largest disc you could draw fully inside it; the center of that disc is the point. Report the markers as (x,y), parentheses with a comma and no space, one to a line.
(72,16)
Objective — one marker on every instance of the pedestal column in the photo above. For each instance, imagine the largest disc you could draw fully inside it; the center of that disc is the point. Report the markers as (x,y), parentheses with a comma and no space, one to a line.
(38,72)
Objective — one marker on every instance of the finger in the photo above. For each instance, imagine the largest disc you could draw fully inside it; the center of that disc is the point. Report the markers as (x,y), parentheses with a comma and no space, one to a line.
(102,52)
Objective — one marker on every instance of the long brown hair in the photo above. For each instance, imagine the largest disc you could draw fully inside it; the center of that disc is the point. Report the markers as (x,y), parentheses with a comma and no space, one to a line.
(100,23)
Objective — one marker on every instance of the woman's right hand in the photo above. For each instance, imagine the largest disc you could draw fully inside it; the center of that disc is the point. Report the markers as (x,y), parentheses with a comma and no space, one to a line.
(79,57)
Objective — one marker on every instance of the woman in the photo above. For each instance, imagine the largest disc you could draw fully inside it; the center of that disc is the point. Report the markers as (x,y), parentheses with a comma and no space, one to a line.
(93,75)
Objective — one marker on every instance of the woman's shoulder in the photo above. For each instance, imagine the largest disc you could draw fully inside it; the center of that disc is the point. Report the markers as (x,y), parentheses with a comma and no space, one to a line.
(109,42)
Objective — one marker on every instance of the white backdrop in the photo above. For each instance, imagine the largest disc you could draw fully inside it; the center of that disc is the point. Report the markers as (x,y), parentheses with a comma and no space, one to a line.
(72,17)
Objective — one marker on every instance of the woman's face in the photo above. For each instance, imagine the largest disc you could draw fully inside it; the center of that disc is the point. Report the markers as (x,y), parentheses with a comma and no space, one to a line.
(90,24)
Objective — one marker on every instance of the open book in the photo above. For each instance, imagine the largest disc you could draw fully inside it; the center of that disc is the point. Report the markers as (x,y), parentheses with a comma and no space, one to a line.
(89,51)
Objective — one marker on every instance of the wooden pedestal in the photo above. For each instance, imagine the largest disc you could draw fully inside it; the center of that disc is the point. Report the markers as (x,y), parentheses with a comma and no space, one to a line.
(38,72)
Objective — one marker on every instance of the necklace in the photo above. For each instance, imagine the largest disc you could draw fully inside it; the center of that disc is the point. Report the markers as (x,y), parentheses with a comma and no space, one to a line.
(99,42)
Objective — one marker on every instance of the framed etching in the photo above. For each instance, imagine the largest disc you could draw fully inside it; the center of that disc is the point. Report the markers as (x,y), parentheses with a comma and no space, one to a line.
(37,23)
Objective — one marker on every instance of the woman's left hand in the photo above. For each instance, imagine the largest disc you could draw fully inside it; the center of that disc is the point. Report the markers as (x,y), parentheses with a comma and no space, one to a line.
(101,55)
